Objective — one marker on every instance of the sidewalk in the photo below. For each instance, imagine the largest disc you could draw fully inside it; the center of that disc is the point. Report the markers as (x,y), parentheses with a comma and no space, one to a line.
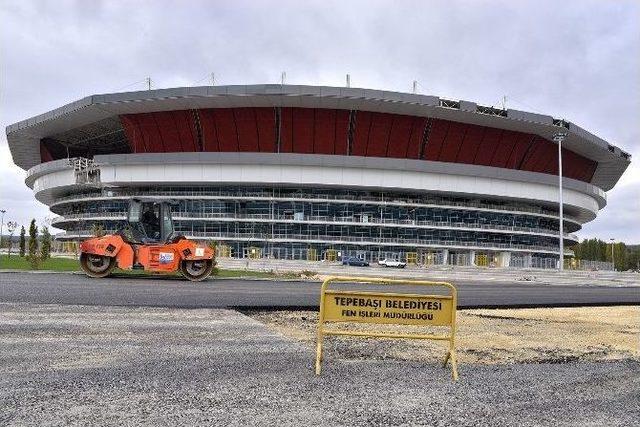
(441,273)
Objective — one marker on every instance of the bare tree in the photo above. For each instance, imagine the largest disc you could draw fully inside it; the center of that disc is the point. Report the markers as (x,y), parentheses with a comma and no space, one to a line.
(11,226)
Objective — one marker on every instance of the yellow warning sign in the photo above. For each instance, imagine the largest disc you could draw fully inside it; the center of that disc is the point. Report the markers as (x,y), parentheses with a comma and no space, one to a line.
(369,307)
(387,308)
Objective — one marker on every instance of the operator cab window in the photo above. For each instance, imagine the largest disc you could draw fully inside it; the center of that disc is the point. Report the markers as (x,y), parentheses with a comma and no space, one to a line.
(151,220)
(167,224)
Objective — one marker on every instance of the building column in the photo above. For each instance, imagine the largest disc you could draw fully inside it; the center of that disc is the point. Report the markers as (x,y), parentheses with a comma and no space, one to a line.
(528,260)
(472,258)
(505,259)
(445,256)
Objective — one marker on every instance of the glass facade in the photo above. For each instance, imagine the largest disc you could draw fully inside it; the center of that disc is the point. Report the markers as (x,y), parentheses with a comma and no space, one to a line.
(317,224)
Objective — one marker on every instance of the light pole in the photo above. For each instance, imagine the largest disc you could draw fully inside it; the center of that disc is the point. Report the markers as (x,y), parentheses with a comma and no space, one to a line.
(613,260)
(559,137)
(1,225)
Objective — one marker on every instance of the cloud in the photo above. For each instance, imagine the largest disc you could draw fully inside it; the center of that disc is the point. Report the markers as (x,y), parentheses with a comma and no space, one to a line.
(619,220)
(15,197)
(575,59)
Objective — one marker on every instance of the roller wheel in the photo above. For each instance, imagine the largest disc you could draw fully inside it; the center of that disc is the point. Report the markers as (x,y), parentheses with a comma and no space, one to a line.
(97,265)
(196,270)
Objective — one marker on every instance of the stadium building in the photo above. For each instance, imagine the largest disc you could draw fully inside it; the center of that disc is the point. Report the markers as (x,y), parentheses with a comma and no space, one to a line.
(308,172)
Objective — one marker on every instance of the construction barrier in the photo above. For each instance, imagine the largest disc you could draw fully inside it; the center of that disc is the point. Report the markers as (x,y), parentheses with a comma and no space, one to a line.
(387,308)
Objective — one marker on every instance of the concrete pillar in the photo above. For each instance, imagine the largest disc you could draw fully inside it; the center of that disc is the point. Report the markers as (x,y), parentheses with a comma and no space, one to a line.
(505,259)
(472,258)
(445,256)
(528,260)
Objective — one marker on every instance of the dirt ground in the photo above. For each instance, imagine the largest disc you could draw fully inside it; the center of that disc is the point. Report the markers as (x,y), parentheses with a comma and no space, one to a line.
(539,335)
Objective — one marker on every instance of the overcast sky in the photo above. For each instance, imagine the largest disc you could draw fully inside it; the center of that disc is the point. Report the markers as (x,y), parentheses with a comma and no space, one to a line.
(574,59)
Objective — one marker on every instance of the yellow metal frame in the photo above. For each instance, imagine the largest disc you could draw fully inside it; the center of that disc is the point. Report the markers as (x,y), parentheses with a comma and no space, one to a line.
(482,260)
(312,254)
(331,255)
(254,252)
(224,251)
(451,353)
(429,258)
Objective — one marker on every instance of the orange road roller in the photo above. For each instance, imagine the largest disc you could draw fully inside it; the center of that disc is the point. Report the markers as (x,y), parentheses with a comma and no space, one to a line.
(148,243)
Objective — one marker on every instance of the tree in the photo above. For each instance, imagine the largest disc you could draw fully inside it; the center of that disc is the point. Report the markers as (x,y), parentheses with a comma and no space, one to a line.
(22,242)
(592,249)
(633,259)
(11,226)
(45,244)
(33,257)
(619,255)
(626,257)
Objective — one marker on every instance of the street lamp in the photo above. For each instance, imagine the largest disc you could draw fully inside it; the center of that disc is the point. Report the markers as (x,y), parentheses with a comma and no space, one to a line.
(559,137)
(613,260)
(1,225)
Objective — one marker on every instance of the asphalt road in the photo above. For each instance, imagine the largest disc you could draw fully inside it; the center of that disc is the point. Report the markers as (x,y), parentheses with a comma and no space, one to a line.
(48,288)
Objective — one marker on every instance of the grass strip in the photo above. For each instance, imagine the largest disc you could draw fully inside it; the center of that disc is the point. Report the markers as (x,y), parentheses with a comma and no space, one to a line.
(16,262)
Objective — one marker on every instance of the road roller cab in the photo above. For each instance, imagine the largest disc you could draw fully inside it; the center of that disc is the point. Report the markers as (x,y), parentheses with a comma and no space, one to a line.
(147,242)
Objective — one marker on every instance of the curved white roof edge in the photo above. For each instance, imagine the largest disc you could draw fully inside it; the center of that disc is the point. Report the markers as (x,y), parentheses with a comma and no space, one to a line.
(24,136)
(328,160)
(582,201)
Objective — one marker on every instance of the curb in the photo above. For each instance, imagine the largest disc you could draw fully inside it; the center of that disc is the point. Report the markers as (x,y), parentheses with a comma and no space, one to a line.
(153,276)
(541,281)
(40,271)
(272,279)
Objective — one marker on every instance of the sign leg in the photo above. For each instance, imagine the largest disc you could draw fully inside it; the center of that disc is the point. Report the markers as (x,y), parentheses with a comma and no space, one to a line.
(319,354)
(454,365)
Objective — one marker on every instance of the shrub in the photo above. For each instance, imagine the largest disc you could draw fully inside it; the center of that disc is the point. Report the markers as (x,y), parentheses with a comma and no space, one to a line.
(308,273)
(290,275)
(214,246)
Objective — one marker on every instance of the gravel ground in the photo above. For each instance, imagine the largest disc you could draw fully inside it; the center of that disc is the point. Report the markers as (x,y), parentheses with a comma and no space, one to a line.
(552,335)
(78,365)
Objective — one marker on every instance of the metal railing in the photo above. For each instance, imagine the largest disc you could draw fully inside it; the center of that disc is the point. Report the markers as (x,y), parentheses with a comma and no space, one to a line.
(371,220)
(326,239)
(324,220)
(428,202)
(89,217)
